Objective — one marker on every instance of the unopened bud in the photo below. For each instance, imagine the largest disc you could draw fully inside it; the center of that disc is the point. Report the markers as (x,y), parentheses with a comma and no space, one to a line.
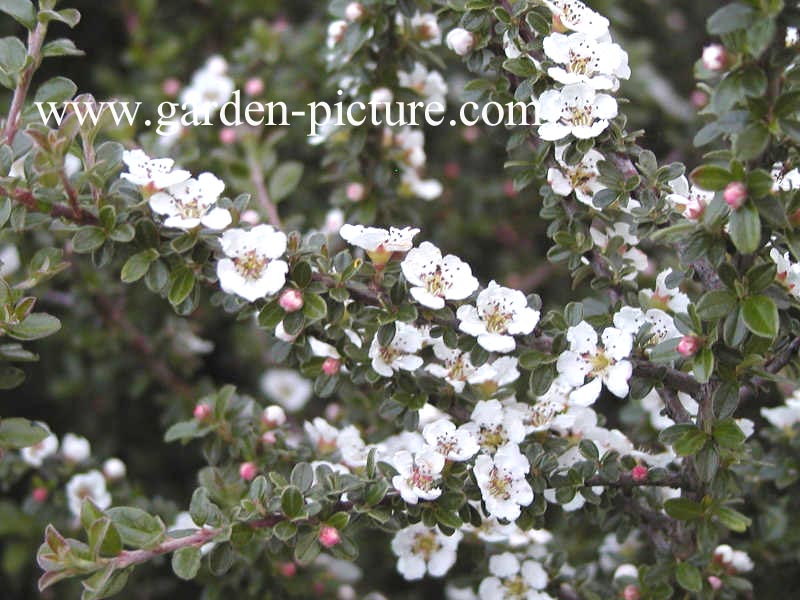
(329,536)
(273,416)
(735,194)
(331,366)
(688,345)
(171,87)
(202,412)
(114,469)
(714,57)
(288,569)
(40,494)
(354,11)
(699,99)
(639,473)
(268,438)
(715,582)
(355,191)
(254,86)
(291,300)
(250,217)
(227,135)
(248,471)
(460,41)
(631,592)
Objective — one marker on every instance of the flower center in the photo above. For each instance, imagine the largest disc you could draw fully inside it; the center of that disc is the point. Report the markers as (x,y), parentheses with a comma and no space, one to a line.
(446,444)
(600,362)
(250,265)
(579,116)
(493,437)
(425,544)
(579,65)
(496,320)
(420,478)
(499,484)
(516,588)
(435,283)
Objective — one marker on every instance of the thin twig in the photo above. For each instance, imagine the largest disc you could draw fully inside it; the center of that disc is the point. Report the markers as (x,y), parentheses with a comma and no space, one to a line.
(35,41)
(257,179)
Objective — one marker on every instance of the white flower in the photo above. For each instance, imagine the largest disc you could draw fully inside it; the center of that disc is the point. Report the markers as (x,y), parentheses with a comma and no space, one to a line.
(510,579)
(400,353)
(430,85)
(411,143)
(580,178)
(418,474)
(500,314)
(494,426)
(35,455)
(604,364)
(792,37)
(785,181)
(183,522)
(662,326)
(436,278)
(784,417)
(9,260)
(575,15)
(335,32)
(787,272)
(460,41)
(352,448)
(505,371)
(286,387)
(628,250)
(653,405)
(323,435)
(151,173)
(692,202)
(420,549)
(75,448)
(457,444)
(90,485)
(210,88)
(548,410)
(334,220)
(274,415)
(114,469)
(665,297)
(736,559)
(426,27)
(375,240)
(250,268)
(411,184)
(502,482)
(598,63)
(575,109)
(192,203)
(457,369)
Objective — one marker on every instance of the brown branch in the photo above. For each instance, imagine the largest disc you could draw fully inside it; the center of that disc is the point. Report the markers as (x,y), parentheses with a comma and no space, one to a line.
(257,179)
(57,211)
(672,378)
(784,357)
(128,558)
(626,481)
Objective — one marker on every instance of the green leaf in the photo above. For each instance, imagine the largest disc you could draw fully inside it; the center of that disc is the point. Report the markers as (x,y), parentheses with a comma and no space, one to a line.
(716,305)
(61,47)
(761,316)
(727,434)
(57,89)
(88,239)
(307,548)
(314,307)
(745,228)
(186,430)
(731,17)
(732,519)
(10,377)
(291,501)
(302,476)
(689,578)
(690,442)
(137,265)
(183,280)
(704,365)
(136,527)
(21,11)
(284,180)
(34,327)
(683,509)
(711,177)
(752,141)
(20,433)
(186,562)
(12,55)
(104,539)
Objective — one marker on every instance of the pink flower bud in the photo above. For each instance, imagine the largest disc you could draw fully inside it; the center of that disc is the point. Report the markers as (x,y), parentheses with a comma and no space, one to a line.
(639,473)
(508,189)
(248,471)
(354,11)
(171,87)
(715,582)
(331,366)
(227,135)
(250,217)
(291,300)
(333,411)
(355,191)
(735,194)
(288,569)
(698,98)
(254,86)
(631,592)
(268,438)
(329,536)
(452,170)
(714,57)
(688,345)
(40,494)
(202,412)
(471,134)
(460,41)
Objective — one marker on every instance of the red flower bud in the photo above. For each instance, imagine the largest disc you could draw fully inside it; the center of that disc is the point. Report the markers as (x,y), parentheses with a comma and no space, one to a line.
(639,473)
(202,412)
(331,366)
(688,345)
(248,471)
(329,536)
(735,194)
(291,300)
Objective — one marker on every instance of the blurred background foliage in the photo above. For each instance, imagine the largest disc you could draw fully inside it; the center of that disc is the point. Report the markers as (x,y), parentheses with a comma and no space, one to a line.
(122,368)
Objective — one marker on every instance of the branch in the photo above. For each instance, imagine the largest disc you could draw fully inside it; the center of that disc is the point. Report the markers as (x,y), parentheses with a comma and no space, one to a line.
(626,481)
(35,41)
(784,357)
(71,213)
(128,558)
(672,378)
(257,179)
